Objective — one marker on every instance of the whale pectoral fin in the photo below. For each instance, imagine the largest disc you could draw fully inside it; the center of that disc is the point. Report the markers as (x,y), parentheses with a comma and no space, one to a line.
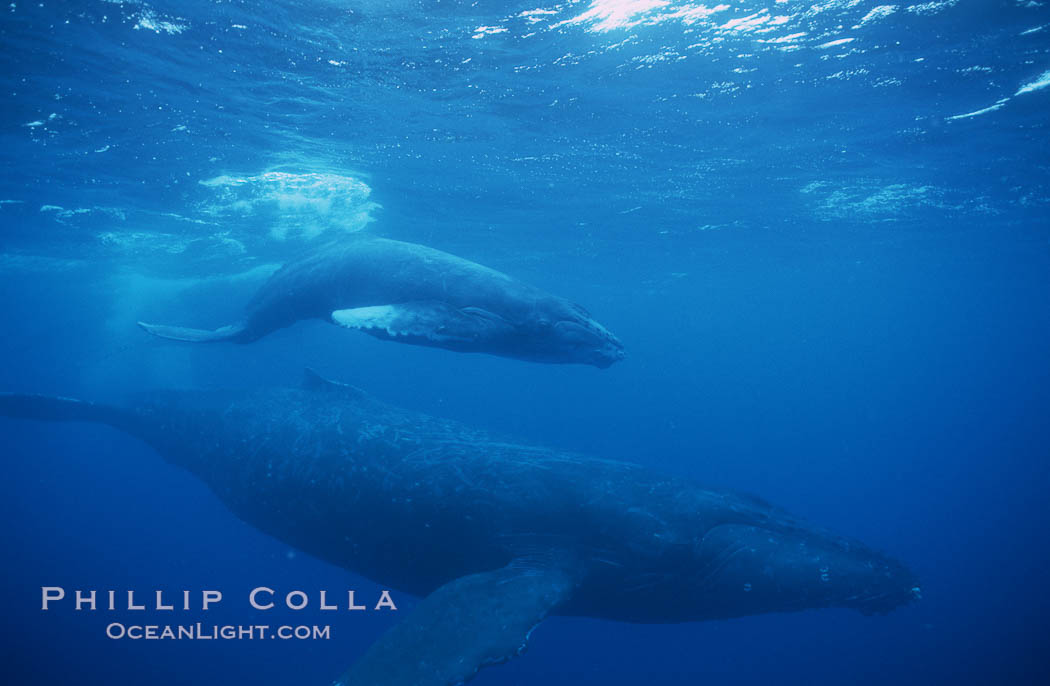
(474,621)
(423,321)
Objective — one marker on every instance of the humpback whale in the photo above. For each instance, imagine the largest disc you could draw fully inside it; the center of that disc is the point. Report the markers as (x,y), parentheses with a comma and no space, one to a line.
(414,294)
(495,536)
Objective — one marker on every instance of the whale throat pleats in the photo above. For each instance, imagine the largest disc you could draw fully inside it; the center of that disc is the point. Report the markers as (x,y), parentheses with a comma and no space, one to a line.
(474,621)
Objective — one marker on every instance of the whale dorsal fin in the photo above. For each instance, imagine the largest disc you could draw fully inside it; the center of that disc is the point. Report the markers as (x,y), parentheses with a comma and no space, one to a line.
(468,623)
(313,381)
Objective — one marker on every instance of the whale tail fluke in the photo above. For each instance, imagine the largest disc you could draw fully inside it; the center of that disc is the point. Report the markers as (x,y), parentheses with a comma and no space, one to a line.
(182,333)
(59,409)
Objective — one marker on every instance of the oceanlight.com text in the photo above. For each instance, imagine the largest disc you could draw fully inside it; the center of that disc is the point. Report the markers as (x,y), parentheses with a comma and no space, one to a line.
(215,632)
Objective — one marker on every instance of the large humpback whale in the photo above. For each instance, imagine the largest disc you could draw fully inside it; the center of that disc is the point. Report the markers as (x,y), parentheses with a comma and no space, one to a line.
(495,535)
(414,294)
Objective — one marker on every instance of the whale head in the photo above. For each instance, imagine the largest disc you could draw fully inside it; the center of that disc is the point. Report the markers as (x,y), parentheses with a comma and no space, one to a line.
(569,334)
(751,570)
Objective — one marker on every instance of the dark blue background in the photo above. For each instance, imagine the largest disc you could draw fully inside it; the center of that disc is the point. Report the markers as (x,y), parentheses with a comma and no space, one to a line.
(859,334)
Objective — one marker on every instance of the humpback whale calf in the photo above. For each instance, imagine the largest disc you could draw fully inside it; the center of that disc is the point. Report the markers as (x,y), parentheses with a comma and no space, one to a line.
(495,536)
(414,294)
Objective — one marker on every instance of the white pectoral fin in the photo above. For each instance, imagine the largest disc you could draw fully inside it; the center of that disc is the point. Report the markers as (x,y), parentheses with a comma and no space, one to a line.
(468,623)
(385,317)
(422,321)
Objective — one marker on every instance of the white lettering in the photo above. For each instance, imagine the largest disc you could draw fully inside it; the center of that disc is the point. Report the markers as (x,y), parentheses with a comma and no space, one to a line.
(210,597)
(85,600)
(133,606)
(49,594)
(255,591)
(160,602)
(386,601)
(298,594)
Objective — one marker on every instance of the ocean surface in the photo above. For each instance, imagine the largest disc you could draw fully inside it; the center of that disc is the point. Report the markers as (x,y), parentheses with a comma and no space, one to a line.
(821,229)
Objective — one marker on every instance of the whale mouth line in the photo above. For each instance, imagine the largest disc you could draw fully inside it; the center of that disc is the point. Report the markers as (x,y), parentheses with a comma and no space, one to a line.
(885,601)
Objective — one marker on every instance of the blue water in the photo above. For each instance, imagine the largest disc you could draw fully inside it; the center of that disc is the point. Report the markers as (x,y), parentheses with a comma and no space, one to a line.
(820,228)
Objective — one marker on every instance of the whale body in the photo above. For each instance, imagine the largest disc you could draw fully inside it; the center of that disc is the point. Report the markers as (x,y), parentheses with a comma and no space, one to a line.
(411,293)
(493,534)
